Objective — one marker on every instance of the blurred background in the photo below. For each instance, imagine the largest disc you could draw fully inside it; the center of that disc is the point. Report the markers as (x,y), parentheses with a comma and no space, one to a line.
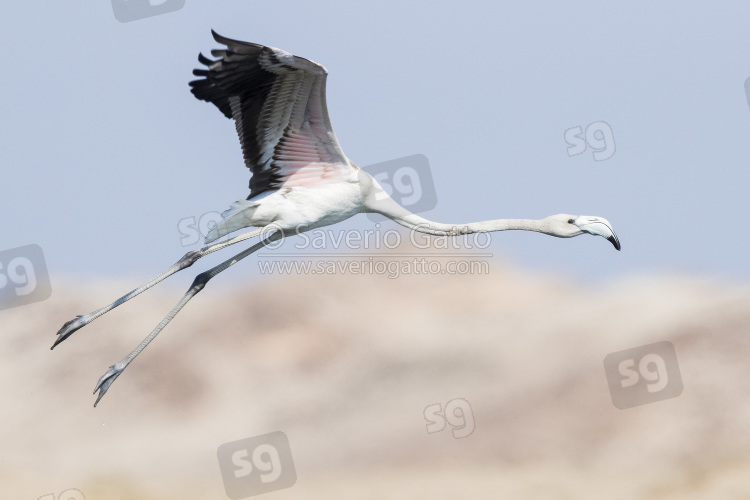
(637,113)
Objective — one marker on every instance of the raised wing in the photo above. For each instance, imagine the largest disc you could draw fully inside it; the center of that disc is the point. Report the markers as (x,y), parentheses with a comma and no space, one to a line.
(278,103)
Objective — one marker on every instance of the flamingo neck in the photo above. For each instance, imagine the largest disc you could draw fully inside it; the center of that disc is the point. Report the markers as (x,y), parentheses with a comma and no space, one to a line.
(417,223)
(376,200)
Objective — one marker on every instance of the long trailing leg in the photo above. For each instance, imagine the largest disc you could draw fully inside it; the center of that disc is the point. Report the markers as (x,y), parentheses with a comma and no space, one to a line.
(186,261)
(198,284)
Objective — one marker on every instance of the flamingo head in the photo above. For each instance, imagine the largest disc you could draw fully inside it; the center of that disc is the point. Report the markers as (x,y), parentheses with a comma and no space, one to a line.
(566,226)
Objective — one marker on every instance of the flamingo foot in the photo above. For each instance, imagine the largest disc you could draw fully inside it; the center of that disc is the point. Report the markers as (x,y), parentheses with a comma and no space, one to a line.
(106,380)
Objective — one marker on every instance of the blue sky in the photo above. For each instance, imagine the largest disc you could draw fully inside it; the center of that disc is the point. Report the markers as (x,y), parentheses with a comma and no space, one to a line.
(104,149)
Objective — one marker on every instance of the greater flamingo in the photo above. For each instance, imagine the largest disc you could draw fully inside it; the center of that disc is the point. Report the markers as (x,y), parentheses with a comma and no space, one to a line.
(301,178)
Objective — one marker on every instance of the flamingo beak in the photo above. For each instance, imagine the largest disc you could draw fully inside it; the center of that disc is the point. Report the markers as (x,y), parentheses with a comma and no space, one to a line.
(615,241)
(599,227)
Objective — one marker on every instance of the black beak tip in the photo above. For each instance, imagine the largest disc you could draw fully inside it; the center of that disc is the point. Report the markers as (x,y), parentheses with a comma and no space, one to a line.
(615,242)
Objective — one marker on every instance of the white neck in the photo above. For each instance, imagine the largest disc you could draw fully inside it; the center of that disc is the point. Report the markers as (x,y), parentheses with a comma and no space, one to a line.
(376,200)
(417,223)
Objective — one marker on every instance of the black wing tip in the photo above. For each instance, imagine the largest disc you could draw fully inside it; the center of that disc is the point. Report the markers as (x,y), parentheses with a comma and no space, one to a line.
(229,41)
(204,60)
(217,36)
(226,41)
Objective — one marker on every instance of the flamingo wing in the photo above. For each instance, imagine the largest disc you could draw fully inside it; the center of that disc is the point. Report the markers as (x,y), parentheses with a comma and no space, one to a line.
(278,103)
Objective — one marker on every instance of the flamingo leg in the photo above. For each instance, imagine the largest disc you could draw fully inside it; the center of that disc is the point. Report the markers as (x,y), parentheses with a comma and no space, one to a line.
(75,324)
(199,283)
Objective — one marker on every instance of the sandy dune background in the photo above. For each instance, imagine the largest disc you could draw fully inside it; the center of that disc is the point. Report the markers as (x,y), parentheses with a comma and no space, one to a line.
(345,366)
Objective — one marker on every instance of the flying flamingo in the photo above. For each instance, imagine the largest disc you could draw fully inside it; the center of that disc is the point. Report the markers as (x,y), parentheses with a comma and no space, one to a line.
(301,179)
